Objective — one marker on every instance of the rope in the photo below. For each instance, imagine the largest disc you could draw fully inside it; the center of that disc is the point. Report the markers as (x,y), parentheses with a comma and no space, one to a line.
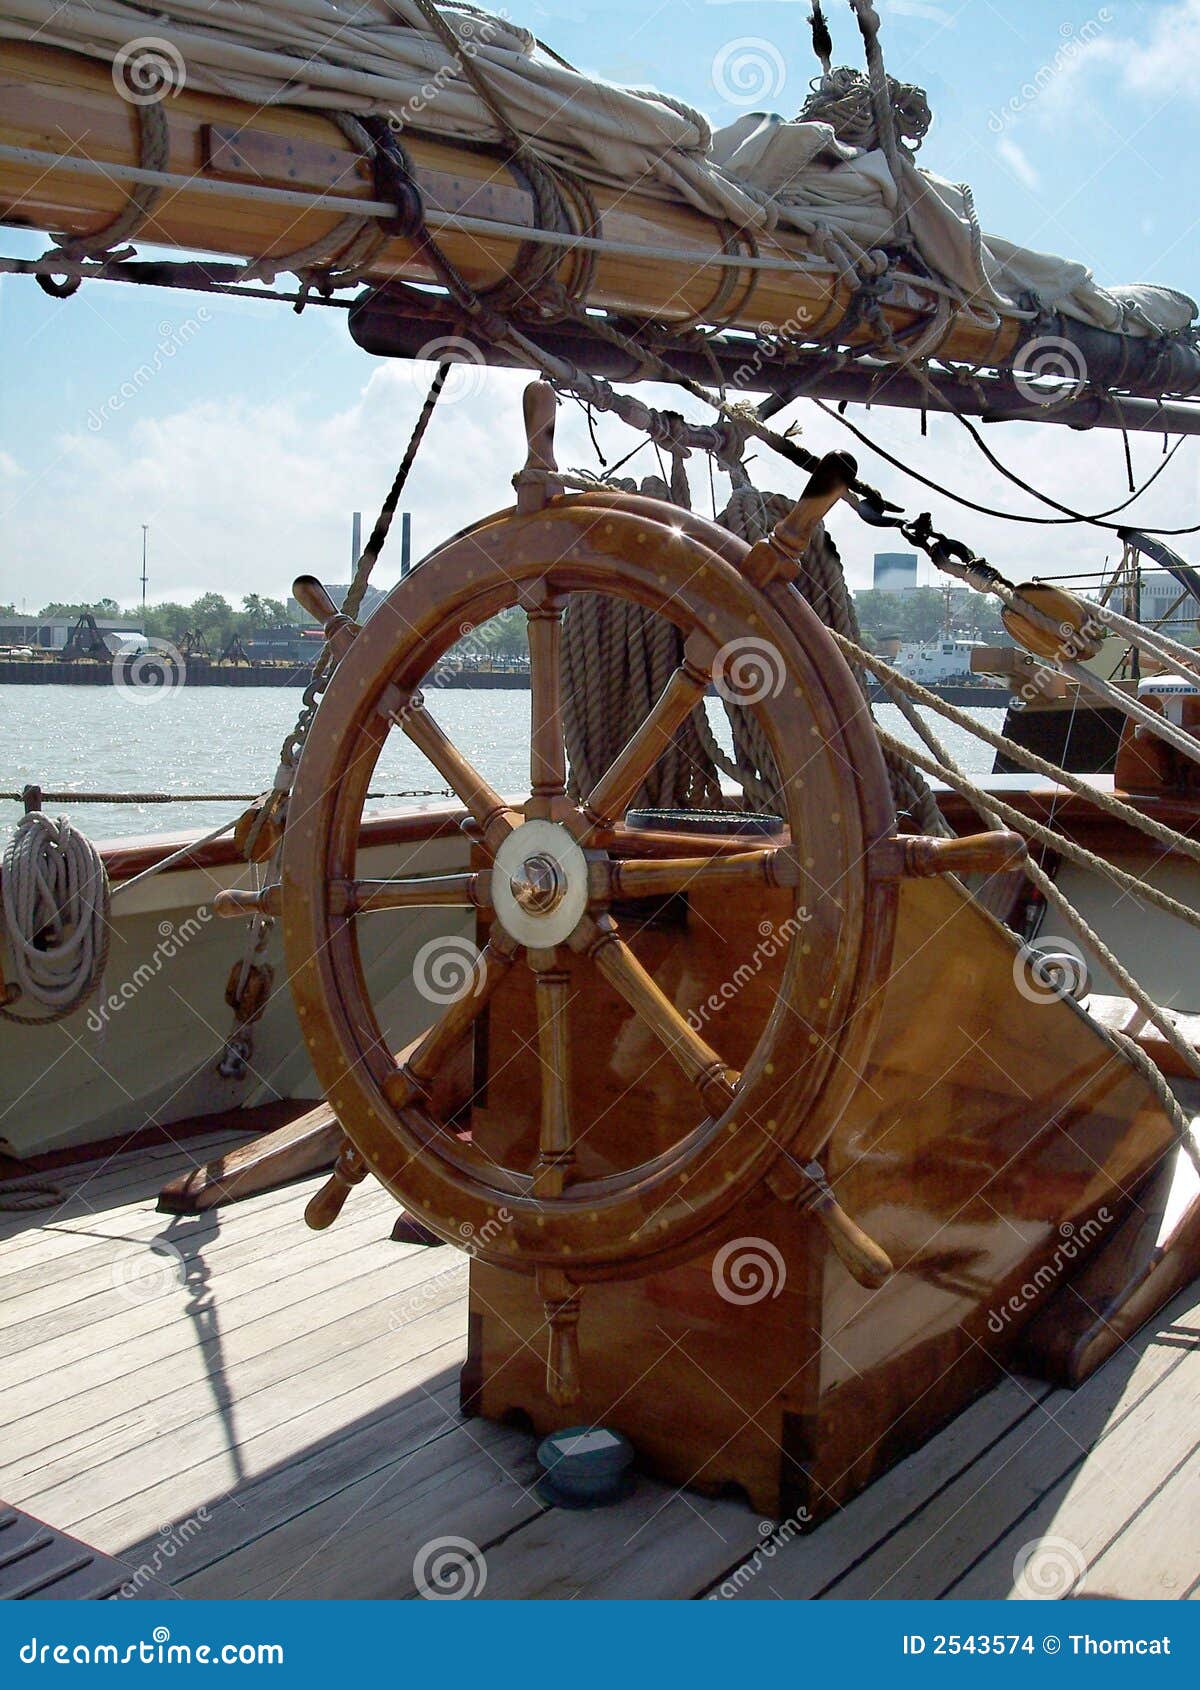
(902,689)
(55,896)
(154,142)
(990,809)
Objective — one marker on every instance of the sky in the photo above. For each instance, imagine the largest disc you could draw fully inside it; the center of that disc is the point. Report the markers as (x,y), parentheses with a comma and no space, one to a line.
(261,431)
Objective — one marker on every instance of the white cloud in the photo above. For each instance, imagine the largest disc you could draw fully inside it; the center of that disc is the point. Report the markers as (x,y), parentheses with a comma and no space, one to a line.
(1093,61)
(1011,154)
(242,496)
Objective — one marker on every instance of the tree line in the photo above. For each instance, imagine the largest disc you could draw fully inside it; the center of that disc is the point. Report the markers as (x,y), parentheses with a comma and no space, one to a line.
(915,616)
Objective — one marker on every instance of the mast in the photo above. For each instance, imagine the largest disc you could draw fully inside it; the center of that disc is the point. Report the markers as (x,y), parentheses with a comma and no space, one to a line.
(145,533)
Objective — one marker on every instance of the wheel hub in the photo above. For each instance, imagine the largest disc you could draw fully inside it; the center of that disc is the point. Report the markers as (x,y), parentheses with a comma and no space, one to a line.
(540,884)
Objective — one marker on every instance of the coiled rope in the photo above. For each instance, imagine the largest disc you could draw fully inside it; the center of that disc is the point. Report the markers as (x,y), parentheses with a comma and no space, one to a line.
(55,894)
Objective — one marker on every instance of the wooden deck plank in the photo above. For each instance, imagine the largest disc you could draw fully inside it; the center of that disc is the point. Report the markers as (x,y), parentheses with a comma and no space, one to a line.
(474,1483)
(293,1468)
(260,1374)
(319,1434)
(100,1183)
(1155,1555)
(1103,1491)
(100,1306)
(135,1334)
(33,1236)
(927,1557)
(75,1251)
(806,1566)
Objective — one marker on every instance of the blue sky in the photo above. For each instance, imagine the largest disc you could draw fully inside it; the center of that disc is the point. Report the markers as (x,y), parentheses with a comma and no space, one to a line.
(262,430)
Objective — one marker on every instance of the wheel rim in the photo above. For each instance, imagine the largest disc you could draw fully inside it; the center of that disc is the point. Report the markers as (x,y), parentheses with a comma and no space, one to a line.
(786,1101)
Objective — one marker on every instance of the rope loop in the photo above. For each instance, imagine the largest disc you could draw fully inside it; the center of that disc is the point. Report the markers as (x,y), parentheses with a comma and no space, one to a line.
(55,894)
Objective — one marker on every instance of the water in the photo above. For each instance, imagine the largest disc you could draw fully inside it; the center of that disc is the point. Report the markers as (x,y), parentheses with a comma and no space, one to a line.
(216,739)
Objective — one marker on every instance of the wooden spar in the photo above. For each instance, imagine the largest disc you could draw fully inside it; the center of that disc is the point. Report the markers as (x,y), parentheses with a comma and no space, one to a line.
(52,101)
(397,322)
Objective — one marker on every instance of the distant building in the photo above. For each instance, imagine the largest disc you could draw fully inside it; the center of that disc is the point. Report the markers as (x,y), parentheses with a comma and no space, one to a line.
(895,572)
(1159,592)
(51,633)
(285,645)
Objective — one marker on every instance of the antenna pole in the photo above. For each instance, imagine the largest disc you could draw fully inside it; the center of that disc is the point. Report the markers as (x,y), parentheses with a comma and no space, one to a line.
(145,532)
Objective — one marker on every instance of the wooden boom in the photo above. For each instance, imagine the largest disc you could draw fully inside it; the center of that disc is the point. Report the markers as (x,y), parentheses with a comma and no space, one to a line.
(57,102)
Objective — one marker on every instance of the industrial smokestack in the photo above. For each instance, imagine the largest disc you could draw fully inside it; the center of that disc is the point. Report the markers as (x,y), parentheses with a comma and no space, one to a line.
(355,540)
(405,543)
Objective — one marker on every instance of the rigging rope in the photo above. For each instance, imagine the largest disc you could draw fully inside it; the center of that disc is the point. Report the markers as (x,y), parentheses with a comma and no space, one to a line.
(55,894)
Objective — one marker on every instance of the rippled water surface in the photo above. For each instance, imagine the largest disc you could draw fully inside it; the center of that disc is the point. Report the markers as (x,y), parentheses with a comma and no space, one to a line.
(217,739)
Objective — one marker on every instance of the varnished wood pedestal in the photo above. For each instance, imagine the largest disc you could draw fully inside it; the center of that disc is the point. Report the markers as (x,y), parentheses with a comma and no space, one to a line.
(993,1144)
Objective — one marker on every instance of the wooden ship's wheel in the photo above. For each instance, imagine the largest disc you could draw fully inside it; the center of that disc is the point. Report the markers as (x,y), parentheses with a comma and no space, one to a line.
(550,871)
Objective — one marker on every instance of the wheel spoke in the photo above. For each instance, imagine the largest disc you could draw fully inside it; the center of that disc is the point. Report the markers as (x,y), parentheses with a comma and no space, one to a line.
(363,897)
(481,800)
(615,790)
(414,1076)
(714,1081)
(647,878)
(547,747)
(556,1147)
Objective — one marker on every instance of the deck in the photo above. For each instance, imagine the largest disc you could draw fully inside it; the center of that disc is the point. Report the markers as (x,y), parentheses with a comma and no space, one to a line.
(232,1405)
